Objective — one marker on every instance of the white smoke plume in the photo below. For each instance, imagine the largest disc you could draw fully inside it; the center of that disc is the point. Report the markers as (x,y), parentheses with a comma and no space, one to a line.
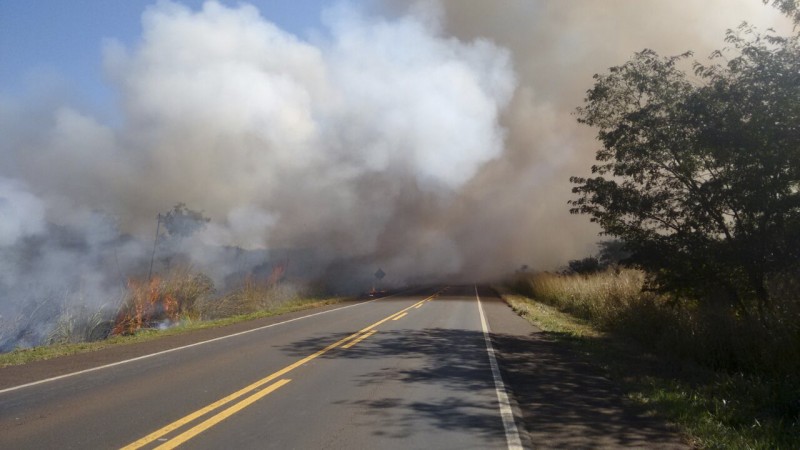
(431,139)
(344,150)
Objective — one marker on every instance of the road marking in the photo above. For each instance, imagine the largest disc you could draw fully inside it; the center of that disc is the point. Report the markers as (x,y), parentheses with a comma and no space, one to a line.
(225,400)
(401,316)
(512,434)
(361,334)
(213,420)
(359,339)
(139,358)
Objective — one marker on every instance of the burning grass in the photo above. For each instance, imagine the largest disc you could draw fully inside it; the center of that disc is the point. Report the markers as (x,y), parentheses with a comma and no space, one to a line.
(161,301)
(179,301)
(26,355)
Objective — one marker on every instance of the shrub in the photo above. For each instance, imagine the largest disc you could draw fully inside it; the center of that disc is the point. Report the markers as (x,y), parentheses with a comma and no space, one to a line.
(712,335)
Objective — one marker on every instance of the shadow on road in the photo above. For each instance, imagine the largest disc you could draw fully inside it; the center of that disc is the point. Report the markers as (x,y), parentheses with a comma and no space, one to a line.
(565,402)
(448,367)
(568,403)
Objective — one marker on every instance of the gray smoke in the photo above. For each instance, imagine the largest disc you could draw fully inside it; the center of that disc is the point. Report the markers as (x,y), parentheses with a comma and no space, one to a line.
(514,211)
(339,154)
(433,140)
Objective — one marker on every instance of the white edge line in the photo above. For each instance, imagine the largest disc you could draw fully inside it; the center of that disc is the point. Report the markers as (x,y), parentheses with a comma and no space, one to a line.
(138,358)
(512,434)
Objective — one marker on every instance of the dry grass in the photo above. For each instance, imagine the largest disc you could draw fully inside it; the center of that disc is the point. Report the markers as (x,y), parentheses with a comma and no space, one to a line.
(598,297)
(254,295)
(712,335)
(179,300)
(162,300)
(80,324)
(26,355)
(744,393)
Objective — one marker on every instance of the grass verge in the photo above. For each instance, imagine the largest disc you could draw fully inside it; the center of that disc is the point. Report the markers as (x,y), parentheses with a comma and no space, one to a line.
(712,409)
(23,356)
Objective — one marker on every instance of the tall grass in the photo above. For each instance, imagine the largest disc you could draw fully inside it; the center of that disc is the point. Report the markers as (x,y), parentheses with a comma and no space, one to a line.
(181,295)
(80,324)
(729,381)
(254,295)
(162,300)
(710,334)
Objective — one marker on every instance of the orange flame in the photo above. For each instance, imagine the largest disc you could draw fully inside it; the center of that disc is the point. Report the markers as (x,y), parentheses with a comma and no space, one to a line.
(148,304)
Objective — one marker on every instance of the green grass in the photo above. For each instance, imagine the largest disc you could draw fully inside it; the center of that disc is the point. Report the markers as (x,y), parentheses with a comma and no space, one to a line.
(23,356)
(712,409)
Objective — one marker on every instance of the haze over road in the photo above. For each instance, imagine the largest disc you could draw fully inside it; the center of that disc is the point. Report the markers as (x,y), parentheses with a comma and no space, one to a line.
(407,371)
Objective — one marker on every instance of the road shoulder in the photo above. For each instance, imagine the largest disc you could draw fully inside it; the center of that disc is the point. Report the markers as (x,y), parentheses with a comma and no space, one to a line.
(40,370)
(564,401)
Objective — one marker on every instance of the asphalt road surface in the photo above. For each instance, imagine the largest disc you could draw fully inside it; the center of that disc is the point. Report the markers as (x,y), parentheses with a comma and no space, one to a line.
(414,370)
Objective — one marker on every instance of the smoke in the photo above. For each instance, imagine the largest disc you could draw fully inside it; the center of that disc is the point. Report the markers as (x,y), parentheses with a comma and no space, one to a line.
(429,139)
(340,153)
(514,211)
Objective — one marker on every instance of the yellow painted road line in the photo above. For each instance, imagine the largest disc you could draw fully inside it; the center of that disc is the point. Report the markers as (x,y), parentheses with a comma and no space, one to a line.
(205,410)
(213,420)
(225,400)
(359,339)
(391,317)
(400,316)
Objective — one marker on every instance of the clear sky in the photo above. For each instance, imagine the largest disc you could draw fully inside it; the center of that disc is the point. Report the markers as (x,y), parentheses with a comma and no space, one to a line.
(57,44)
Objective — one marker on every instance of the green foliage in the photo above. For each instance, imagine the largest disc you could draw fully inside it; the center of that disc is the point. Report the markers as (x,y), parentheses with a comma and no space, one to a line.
(749,400)
(612,253)
(789,7)
(700,174)
(713,336)
(584,266)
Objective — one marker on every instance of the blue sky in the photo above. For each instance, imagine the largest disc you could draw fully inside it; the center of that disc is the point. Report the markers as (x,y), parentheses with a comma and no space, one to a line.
(57,44)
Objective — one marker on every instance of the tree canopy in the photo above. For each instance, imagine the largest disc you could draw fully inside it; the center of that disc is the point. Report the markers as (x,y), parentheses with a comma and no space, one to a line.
(699,170)
(182,222)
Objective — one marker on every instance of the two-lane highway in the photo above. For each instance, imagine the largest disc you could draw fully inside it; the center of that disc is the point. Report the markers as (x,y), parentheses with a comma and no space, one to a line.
(408,371)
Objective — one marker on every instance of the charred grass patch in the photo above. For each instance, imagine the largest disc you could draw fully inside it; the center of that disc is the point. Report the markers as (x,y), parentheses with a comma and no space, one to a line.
(720,380)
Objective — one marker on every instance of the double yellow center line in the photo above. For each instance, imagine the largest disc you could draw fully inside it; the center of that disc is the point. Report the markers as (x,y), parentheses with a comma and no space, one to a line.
(159,434)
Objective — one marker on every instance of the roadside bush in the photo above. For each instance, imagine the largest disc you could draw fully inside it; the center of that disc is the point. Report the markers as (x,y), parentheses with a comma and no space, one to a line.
(712,335)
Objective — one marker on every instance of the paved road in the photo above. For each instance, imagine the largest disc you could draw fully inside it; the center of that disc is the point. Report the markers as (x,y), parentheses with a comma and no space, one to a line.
(408,371)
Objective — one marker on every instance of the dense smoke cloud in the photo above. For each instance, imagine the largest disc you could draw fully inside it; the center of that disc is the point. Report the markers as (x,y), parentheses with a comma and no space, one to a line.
(432,140)
(344,151)
(515,210)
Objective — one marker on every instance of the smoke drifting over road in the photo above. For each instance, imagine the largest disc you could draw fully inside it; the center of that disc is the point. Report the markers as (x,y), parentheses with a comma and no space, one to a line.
(430,140)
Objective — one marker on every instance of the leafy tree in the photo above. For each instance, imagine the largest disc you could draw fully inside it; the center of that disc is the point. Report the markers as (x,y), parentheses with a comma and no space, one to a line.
(584,266)
(789,7)
(182,222)
(612,253)
(699,174)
